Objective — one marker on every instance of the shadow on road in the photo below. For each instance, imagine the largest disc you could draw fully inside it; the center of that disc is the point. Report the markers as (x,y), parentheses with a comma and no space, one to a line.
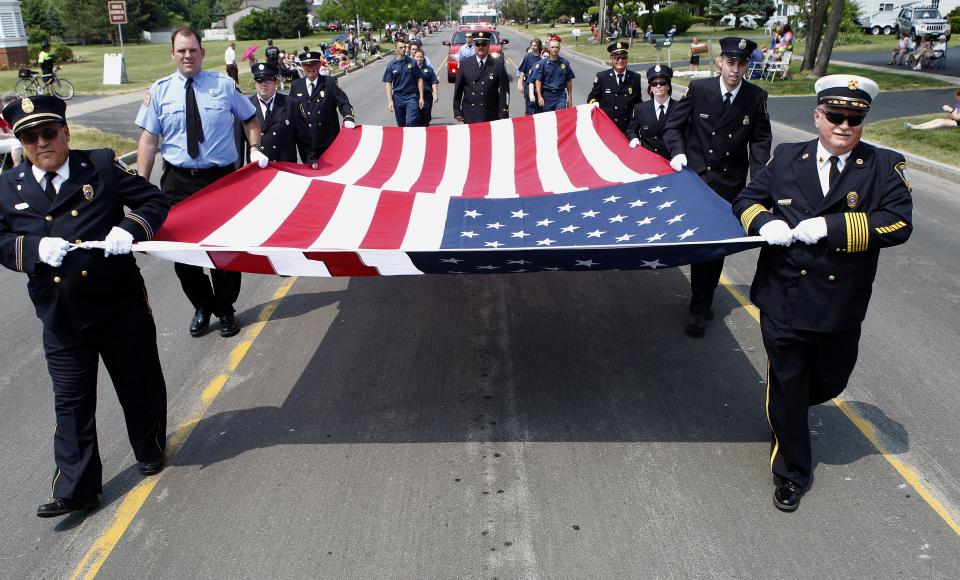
(537,358)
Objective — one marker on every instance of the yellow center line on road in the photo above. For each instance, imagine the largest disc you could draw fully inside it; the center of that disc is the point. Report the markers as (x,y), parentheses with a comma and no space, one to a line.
(98,553)
(866,427)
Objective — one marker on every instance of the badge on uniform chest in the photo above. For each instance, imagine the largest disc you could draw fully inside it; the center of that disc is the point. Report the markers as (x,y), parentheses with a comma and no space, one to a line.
(88,192)
(746,121)
(853,199)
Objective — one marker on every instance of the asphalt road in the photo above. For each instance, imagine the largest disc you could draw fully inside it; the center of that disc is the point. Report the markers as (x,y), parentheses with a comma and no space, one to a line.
(551,425)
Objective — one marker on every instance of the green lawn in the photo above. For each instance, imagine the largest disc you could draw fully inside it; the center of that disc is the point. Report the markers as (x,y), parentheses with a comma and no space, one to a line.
(146,63)
(803,84)
(938,144)
(89,138)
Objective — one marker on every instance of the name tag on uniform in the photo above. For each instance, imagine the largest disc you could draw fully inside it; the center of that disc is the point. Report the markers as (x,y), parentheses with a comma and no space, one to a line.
(787,201)
(607,91)
(22,206)
(704,116)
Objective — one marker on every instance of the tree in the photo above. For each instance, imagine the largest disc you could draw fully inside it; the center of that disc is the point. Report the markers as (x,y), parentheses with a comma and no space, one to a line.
(814,19)
(292,16)
(833,27)
(85,20)
(258,24)
(41,14)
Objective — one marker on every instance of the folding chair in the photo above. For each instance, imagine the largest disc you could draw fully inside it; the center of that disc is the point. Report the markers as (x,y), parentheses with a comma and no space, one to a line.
(781,67)
(936,62)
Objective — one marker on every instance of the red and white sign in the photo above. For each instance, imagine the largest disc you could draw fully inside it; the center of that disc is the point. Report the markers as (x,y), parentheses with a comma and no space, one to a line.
(117,11)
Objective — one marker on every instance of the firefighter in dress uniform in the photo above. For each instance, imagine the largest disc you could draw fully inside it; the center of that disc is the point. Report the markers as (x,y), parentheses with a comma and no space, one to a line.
(277,114)
(649,117)
(721,129)
(481,91)
(318,100)
(826,207)
(92,302)
(617,89)
(553,79)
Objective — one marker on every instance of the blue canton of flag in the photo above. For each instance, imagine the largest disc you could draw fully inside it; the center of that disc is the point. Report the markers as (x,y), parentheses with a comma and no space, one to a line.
(662,222)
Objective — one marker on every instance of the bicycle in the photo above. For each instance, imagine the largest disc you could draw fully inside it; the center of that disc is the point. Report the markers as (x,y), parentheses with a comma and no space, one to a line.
(31,83)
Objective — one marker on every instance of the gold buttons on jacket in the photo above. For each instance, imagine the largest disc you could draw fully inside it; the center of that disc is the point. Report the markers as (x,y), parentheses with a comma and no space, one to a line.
(832,278)
(83,273)
(803,272)
(56,279)
(74,213)
(49,218)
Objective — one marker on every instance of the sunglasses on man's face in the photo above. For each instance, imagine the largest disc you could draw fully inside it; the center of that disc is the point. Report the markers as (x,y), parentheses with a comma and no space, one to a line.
(659,83)
(48,133)
(619,57)
(839,118)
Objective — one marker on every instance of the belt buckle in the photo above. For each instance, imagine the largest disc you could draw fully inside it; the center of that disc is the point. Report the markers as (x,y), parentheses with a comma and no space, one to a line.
(194,172)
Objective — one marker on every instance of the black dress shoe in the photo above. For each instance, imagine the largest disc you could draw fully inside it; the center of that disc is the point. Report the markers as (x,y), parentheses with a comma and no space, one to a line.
(787,496)
(151,467)
(63,506)
(696,325)
(229,325)
(199,323)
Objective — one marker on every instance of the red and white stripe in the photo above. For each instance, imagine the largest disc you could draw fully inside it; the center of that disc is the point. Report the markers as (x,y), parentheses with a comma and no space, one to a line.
(383,189)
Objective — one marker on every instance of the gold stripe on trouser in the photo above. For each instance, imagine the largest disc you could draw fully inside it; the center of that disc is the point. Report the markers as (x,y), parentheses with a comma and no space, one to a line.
(53,486)
(776,440)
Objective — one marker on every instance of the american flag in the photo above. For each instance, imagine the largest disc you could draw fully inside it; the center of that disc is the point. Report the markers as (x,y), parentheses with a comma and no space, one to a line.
(553,191)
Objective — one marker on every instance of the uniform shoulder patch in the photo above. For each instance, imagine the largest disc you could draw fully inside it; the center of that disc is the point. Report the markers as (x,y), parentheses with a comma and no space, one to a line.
(901,170)
(124,167)
(146,98)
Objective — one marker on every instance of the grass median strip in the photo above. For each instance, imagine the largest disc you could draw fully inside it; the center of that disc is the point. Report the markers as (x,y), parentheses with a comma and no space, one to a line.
(134,500)
(941,145)
(82,137)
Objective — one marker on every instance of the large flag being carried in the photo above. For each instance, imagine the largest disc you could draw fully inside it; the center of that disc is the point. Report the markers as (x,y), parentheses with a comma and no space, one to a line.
(554,191)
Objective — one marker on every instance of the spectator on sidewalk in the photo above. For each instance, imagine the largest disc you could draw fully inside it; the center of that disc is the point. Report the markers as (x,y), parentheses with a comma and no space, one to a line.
(904,46)
(230,58)
(951,122)
(925,46)
(936,51)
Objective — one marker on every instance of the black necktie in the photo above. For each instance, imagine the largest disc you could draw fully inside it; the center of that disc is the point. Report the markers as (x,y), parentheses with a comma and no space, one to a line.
(310,89)
(50,190)
(266,106)
(194,125)
(481,62)
(727,99)
(660,115)
(834,171)
(619,79)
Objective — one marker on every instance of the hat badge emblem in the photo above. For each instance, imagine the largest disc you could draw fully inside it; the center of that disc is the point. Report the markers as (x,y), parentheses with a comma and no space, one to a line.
(743,44)
(27,105)
(657,68)
(853,84)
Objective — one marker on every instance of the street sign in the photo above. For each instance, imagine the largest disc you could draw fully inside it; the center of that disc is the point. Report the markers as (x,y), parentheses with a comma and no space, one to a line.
(118,11)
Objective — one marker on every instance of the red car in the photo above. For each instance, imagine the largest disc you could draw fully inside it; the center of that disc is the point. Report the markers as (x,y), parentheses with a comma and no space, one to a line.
(459,38)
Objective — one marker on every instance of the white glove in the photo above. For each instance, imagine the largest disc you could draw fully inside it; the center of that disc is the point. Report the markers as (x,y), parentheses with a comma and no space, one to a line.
(52,251)
(634,142)
(257,156)
(777,233)
(811,231)
(119,241)
(349,124)
(678,162)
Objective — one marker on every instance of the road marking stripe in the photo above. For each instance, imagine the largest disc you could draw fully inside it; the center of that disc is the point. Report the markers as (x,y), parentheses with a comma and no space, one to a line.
(865,427)
(134,500)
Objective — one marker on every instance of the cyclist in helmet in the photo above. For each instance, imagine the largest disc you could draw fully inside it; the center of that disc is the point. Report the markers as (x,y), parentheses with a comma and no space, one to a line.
(45,60)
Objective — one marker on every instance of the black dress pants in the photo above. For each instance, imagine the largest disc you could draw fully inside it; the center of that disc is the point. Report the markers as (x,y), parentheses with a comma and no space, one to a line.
(127,343)
(804,368)
(704,278)
(217,293)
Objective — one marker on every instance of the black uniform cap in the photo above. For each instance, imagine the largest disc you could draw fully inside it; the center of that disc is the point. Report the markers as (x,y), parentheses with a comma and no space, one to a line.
(311,57)
(659,70)
(618,46)
(28,112)
(481,36)
(264,70)
(737,47)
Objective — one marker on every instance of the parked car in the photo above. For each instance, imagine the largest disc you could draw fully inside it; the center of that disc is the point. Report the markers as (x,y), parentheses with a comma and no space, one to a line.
(921,20)
(459,38)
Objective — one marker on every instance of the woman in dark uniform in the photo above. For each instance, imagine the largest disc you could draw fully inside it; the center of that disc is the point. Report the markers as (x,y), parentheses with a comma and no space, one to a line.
(649,117)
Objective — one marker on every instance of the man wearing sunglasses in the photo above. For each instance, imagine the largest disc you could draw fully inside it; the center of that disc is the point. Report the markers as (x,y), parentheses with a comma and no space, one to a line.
(92,303)
(617,89)
(825,208)
(481,91)
(721,129)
